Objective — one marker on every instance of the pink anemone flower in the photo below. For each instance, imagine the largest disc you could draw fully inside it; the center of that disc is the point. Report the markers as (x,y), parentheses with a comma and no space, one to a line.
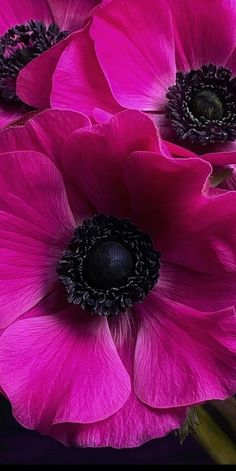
(118,277)
(173,59)
(27,29)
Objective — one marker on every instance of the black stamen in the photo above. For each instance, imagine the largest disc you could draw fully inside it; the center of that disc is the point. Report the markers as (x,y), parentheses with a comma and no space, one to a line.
(18,47)
(206,104)
(109,265)
(202,105)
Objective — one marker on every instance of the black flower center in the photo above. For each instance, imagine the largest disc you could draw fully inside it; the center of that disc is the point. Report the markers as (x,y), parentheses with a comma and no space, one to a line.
(202,105)
(109,265)
(207,105)
(18,47)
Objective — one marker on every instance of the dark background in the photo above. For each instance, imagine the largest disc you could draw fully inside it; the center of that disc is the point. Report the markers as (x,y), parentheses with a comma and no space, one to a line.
(20,446)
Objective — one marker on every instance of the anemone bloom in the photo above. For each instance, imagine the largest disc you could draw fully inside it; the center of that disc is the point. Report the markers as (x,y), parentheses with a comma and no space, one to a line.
(174,59)
(27,29)
(117,273)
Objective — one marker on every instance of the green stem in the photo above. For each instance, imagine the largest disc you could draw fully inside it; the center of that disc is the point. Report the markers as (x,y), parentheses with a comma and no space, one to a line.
(217,444)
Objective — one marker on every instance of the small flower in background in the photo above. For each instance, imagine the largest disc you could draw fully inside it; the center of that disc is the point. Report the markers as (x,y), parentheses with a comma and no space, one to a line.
(182,63)
(174,59)
(27,29)
(114,267)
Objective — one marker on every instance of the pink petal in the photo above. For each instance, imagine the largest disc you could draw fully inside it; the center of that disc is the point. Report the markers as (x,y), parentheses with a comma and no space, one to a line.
(211,245)
(179,151)
(190,228)
(224,157)
(36,225)
(204,32)
(163,124)
(165,187)
(9,114)
(203,291)
(70,15)
(78,81)
(101,151)
(15,13)
(183,356)
(100,115)
(135,48)
(231,63)
(55,301)
(135,423)
(216,155)
(46,133)
(62,368)
(34,81)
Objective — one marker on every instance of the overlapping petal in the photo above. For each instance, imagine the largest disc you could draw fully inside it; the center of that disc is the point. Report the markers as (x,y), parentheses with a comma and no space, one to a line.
(141,45)
(101,151)
(78,81)
(36,224)
(183,356)
(71,366)
(200,228)
(136,422)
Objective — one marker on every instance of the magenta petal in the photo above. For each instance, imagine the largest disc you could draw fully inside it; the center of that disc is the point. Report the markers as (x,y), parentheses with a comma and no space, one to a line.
(78,81)
(132,426)
(192,227)
(217,155)
(172,190)
(203,291)
(184,356)
(36,225)
(8,115)
(71,14)
(224,157)
(34,82)
(62,368)
(179,151)
(101,152)
(211,244)
(204,32)
(135,48)
(14,13)
(231,63)
(135,422)
(46,132)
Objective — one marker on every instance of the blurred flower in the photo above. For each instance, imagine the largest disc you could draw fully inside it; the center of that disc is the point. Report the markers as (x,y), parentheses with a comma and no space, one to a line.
(27,29)
(114,267)
(174,59)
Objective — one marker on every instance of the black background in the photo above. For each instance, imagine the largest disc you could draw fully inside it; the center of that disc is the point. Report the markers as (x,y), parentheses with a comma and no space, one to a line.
(20,446)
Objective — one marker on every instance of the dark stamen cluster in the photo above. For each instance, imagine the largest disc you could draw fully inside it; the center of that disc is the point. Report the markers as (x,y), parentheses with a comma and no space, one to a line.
(202,105)
(109,265)
(18,47)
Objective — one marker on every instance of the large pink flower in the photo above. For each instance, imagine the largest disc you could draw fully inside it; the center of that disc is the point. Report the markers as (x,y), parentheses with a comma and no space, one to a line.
(27,29)
(172,56)
(100,219)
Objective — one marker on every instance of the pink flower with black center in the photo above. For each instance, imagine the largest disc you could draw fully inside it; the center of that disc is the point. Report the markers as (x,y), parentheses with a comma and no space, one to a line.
(117,277)
(27,29)
(173,59)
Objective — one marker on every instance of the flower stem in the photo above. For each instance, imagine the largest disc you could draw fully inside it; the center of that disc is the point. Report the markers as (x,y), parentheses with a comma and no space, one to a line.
(215,441)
